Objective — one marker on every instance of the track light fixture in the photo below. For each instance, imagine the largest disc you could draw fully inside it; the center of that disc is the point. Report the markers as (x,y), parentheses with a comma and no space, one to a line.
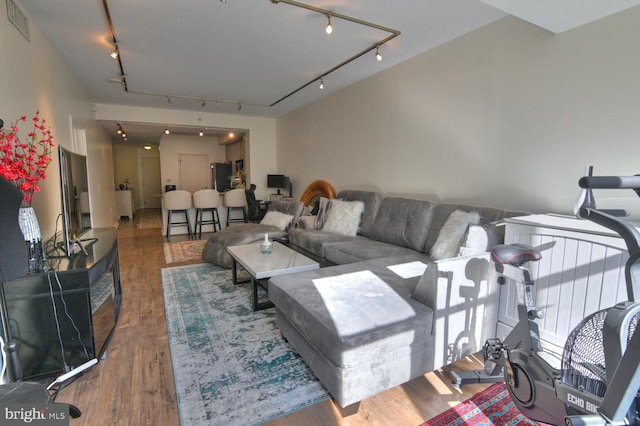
(329,28)
(201,132)
(167,131)
(119,131)
(114,54)
(378,55)
(321,86)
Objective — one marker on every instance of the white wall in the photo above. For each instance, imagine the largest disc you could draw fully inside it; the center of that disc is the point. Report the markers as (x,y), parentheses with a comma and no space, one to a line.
(32,76)
(507,115)
(171,146)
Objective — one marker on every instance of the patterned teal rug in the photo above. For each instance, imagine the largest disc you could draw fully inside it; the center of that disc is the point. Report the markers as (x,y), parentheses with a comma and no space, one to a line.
(230,364)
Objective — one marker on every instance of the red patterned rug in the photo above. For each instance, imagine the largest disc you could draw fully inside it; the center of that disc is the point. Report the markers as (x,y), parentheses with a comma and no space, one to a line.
(492,406)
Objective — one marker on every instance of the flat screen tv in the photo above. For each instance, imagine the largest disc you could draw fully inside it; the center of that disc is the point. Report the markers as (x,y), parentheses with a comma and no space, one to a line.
(76,214)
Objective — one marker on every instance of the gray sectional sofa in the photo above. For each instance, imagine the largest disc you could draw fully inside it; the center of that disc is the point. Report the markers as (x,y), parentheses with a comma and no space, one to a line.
(383,310)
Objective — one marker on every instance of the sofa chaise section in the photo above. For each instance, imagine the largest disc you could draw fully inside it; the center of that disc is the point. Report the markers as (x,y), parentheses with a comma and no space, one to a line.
(215,249)
(356,326)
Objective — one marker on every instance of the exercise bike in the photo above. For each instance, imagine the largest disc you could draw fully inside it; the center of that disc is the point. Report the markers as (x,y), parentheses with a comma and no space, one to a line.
(599,377)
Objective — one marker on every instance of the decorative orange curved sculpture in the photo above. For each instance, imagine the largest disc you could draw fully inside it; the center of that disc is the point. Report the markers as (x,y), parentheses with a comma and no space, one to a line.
(317,188)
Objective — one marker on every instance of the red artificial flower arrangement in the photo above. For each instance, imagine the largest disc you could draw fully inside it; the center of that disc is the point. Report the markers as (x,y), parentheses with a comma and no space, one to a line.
(24,162)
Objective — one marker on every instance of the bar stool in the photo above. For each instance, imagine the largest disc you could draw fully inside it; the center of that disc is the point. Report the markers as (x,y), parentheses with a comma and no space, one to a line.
(177,202)
(235,200)
(206,200)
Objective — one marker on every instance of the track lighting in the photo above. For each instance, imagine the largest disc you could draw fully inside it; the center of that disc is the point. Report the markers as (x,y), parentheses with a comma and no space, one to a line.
(295,3)
(201,132)
(114,54)
(167,131)
(329,28)
(124,136)
(378,55)
(321,86)
(119,131)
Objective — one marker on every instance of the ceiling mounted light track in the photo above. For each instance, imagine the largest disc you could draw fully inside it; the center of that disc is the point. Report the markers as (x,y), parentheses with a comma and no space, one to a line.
(329,29)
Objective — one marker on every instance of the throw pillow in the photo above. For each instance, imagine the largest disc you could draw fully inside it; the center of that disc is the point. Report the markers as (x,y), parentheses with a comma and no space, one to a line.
(480,238)
(324,205)
(450,236)
(344,217)
(280,220)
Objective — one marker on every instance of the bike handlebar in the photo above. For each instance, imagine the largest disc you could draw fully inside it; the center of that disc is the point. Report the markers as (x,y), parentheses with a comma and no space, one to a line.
(610,182)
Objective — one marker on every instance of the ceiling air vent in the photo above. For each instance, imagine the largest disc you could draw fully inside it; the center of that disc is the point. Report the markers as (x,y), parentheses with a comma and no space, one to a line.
(18,18)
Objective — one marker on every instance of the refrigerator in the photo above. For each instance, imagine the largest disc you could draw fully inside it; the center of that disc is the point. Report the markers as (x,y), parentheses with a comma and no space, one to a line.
(221,176)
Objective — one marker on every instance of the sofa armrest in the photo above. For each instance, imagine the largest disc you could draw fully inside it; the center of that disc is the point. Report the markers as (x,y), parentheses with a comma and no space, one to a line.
(463,294)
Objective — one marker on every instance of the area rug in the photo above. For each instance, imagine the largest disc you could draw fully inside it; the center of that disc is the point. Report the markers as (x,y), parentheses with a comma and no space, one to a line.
(492,406)
(231,366)
(149,218)
(183,251)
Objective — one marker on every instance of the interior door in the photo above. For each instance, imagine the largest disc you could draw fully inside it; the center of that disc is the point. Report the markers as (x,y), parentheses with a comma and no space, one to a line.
(194,171)
(151,183)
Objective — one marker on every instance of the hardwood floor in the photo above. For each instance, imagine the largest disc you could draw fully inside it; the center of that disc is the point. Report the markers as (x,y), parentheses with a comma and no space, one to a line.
(134,384)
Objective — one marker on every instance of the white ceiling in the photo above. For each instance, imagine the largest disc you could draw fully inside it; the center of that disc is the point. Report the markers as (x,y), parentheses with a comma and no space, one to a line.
(253,53)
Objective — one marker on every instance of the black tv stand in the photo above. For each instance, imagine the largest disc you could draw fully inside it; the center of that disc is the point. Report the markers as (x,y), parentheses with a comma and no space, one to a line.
(87,296)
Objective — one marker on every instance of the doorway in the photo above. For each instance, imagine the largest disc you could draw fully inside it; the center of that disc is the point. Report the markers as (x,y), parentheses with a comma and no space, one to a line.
(151,182)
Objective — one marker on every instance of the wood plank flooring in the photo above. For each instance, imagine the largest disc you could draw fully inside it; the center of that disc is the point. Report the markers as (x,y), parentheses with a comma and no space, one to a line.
(134,384)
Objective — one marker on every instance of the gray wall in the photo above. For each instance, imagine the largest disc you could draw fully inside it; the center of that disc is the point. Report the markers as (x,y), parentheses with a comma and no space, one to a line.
(507,115)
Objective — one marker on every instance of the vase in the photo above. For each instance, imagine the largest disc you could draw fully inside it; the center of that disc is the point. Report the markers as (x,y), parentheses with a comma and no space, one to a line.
(266,246)
(30,228)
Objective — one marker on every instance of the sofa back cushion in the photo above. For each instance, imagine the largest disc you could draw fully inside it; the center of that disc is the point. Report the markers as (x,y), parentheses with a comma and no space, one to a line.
(441,213)
(293,208)
(403,222)
(371,201)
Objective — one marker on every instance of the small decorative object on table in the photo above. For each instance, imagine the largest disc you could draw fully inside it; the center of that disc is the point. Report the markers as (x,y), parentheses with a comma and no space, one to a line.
(24,163)
(266,245)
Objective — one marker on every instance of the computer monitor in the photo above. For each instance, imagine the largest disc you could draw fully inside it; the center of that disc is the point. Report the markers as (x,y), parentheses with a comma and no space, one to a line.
(279,182)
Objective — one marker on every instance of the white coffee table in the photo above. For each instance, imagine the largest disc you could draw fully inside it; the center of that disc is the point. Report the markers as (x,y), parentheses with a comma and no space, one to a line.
(281,261)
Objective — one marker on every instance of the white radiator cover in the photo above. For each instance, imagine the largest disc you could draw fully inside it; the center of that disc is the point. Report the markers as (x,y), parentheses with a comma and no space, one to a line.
(582,273)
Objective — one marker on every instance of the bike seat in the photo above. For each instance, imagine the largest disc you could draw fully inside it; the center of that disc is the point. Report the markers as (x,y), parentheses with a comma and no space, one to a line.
(514,254)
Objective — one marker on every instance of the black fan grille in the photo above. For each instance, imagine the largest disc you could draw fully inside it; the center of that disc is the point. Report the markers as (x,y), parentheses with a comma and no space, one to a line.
(583,362)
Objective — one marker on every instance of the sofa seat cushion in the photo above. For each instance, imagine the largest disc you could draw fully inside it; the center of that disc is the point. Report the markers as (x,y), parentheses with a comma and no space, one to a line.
(343,252)
(403,222)
(353,313)
(315,241)
(215,249)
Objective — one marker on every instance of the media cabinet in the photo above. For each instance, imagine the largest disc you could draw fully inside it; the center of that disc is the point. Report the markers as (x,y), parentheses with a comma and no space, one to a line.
(64,318)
